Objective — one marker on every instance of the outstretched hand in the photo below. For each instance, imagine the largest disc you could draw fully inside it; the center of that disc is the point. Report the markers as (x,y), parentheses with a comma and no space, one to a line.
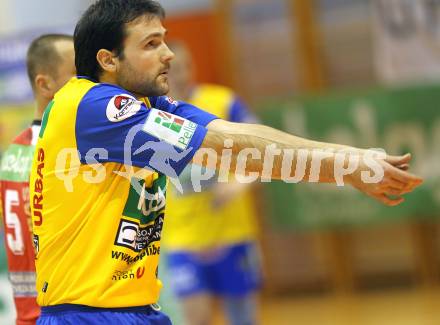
(396,180)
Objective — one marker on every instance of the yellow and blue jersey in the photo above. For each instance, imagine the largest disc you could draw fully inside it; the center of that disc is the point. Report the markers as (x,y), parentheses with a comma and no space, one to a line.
(193,223)
(98,188)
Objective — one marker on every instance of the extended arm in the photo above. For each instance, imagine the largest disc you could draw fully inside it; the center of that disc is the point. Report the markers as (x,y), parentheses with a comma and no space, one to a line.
(321,161)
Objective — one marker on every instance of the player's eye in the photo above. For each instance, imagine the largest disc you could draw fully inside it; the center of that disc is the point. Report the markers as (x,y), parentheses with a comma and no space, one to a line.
(152,44)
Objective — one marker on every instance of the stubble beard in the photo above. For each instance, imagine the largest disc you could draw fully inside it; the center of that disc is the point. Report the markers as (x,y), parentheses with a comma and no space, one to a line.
(141,85)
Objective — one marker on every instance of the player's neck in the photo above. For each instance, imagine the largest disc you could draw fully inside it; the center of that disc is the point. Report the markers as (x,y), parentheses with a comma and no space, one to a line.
(184,93)
(41,104)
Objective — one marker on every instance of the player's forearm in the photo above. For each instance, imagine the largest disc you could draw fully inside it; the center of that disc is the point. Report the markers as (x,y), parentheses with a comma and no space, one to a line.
(275,153)
(280,137)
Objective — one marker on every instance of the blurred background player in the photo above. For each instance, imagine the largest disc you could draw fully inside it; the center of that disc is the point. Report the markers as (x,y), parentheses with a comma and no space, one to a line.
(50,64)
(210,236)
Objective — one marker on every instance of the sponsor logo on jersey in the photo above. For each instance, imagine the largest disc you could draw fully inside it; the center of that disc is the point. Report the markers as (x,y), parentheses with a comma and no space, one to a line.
(149,203)
(171,101)
(151,250)
(173,123)
(137,237)
(122,107)
(170,128)
(16,163)
(128,274)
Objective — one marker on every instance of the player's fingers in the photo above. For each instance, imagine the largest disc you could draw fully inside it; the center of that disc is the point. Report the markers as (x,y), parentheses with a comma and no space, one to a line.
(391,182)
(403,176)
(398,160)
(387,200)
(404,167)
(394,191)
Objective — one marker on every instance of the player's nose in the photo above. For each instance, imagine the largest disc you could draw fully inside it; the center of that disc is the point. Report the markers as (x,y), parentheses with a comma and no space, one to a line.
(168,54)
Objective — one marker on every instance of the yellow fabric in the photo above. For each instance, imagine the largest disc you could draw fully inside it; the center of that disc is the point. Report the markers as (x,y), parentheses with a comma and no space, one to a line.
(192,222)
(78,261)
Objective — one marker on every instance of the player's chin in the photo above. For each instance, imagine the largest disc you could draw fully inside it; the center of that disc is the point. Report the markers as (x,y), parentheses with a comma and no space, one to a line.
(163,86)
(163,77)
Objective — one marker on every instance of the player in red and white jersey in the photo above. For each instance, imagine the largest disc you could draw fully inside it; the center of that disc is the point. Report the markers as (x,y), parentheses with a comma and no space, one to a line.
(50,64)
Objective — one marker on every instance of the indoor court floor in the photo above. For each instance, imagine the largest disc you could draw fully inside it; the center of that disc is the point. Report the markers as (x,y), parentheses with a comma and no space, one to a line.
(385,307)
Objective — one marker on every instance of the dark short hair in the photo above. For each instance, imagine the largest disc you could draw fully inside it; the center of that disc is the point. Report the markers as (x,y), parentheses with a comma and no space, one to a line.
(102,26)
(42,56)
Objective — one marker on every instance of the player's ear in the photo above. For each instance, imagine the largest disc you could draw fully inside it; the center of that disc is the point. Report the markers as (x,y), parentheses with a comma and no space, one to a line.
(43,85)
(106,60)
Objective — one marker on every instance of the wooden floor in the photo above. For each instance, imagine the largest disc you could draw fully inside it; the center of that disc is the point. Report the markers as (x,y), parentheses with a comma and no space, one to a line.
(388,307)
(400,307)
